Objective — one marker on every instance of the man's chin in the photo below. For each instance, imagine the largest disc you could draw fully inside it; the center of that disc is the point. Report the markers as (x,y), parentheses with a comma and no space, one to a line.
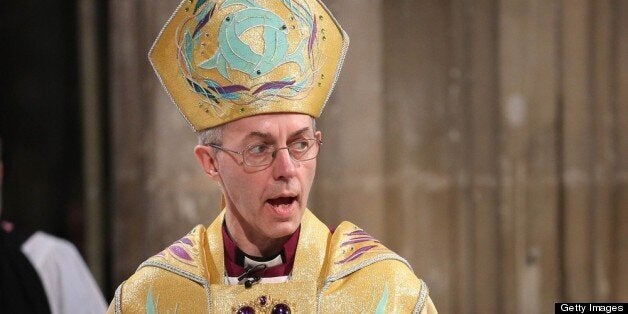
(284,219)
(281,229)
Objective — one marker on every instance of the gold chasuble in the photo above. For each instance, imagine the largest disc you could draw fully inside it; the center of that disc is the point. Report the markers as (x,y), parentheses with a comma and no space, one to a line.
(344,272)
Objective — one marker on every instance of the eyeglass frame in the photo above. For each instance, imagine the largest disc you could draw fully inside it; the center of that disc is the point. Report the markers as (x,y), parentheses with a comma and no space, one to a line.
(273,153)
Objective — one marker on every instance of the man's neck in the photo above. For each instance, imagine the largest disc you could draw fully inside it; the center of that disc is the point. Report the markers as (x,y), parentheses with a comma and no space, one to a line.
(251,243)
(237,262)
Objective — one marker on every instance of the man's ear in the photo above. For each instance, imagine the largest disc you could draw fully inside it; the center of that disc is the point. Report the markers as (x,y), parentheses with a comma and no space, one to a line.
(206,158)
(318,135)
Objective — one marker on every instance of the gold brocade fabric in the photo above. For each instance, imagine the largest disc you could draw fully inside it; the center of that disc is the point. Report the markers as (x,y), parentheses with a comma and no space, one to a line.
(222,60)
(347,272)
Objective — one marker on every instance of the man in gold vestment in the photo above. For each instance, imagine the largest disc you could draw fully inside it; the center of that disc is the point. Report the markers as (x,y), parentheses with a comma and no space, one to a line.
(251,77)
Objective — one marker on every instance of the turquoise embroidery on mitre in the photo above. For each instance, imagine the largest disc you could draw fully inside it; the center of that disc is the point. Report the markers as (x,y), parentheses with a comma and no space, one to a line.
(238,55)
(233,53)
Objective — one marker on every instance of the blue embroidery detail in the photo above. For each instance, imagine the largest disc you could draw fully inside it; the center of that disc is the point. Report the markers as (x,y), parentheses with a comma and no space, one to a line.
(238,55)
(233,54)
(381,306)
(150,302)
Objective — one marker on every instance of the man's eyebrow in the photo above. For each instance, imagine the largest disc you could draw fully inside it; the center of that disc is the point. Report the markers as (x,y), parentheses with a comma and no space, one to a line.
(267,136)
(299,132)
(262,135)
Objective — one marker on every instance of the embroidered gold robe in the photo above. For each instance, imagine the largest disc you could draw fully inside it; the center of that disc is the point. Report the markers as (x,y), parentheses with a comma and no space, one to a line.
(344,272)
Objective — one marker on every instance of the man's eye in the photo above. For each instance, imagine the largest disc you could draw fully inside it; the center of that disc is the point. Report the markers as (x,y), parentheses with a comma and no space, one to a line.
(259,149)
(300,145)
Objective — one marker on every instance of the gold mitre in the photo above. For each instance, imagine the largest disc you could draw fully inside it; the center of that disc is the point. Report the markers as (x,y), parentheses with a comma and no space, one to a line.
(222,60)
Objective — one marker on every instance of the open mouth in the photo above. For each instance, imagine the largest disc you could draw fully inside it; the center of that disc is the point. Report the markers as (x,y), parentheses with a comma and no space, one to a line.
(282,201)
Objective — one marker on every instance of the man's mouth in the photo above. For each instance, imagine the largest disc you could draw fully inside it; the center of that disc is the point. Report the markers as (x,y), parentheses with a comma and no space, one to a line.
(282,201)
(283,205)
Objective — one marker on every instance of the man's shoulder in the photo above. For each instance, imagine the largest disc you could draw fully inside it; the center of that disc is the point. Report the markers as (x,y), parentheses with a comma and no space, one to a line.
(152,285)
(361,268)
(183,257)
(178,266)
(352,248)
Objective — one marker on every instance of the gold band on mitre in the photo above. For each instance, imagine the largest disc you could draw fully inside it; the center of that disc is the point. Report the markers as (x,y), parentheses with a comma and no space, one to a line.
(222,60)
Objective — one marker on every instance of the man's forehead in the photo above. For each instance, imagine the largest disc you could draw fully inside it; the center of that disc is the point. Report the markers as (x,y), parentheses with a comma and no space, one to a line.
(271,124)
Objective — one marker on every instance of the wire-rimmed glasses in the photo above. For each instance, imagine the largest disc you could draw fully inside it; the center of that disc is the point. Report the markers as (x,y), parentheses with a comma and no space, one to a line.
(259,155)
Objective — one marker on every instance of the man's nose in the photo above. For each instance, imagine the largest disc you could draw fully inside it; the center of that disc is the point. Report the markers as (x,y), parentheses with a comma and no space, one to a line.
(284,166)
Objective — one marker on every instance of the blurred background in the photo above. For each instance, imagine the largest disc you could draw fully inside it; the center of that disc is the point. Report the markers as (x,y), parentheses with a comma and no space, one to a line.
(484,141)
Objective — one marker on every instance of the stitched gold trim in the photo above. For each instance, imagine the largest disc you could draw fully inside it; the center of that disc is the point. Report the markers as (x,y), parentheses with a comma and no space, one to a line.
(343,54)
(117,300)
(422,297)
(150,51)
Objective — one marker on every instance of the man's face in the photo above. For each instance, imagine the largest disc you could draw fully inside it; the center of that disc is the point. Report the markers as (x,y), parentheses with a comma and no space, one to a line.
(266,202)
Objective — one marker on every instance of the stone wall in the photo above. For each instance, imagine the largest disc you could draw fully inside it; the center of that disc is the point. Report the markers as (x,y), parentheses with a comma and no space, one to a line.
(485,141)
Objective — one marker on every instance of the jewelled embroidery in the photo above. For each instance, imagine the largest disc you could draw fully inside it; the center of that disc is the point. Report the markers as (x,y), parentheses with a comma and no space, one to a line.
(263,304)
(234,53)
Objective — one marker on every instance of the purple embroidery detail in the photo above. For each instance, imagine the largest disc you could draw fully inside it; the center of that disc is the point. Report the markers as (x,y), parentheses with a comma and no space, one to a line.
(356,254)
(224,90)
(189,39)
(358,240)
(161,254)
(180,252)
(357,232)
(203,21)
(273,85)
(186,240)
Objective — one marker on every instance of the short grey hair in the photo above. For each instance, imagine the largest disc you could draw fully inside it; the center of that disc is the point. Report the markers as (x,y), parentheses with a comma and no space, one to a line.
(214,135)
(211,136)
